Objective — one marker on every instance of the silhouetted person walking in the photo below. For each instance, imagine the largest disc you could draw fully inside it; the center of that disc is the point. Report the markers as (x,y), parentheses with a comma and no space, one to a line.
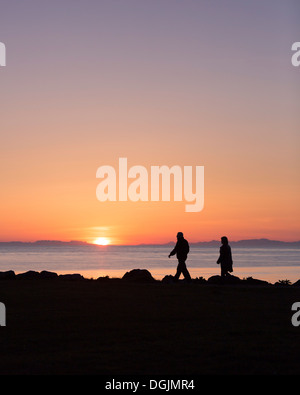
(225,258)
(181,250)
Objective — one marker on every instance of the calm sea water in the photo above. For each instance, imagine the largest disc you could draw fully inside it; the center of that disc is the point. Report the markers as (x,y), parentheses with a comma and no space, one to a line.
(114,261)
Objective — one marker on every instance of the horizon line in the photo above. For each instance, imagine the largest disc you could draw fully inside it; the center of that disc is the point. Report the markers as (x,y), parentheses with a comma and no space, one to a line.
(142,244)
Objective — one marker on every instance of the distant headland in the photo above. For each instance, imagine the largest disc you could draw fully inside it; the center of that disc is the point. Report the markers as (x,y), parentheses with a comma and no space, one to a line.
(247,243)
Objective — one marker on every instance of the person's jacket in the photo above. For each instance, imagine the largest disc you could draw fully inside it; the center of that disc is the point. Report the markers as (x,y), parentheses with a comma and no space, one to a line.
(181,249)
(225,258)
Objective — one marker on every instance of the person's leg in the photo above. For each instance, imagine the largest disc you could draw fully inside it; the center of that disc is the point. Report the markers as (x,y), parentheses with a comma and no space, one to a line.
(178,272)
(184,271)
(224,271)
(177,275)
(187,275)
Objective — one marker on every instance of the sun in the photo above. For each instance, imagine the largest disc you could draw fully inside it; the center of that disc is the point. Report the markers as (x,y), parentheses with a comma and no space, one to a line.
(102,241)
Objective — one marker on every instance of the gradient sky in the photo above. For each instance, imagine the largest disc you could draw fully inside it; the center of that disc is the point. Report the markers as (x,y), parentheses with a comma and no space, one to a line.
(161,82)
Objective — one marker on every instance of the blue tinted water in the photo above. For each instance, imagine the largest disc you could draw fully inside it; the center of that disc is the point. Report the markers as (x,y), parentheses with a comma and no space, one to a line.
(270,264)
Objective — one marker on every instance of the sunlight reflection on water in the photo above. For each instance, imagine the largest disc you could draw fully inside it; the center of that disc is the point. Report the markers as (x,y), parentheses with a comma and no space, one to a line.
(114,261)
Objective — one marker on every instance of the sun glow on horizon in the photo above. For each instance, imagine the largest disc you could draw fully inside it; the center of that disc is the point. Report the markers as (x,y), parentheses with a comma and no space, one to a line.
(102,241)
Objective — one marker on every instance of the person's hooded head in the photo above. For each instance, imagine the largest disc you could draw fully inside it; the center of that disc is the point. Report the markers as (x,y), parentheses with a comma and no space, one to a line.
(224,240)
(179,235)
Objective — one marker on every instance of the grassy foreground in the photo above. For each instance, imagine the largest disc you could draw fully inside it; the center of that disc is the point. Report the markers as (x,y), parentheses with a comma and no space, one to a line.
(115,327)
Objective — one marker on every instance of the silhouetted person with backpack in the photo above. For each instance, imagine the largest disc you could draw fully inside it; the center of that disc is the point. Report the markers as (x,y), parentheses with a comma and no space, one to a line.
(225,258)
(181,250)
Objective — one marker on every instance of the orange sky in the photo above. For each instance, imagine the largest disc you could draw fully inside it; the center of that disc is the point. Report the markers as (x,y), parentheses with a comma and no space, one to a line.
(144,88)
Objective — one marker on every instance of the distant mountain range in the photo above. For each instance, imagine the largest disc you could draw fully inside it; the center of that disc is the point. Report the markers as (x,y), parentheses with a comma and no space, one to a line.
(255,243)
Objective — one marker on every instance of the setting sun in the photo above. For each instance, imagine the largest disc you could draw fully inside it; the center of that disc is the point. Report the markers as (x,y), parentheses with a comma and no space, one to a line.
(102,241)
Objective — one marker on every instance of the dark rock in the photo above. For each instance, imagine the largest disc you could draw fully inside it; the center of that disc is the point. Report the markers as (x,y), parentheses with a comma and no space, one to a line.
(74,276)
(103,279)
(8,275)
(255,281)
(233,279)
(107,279)
(138,275)
(48,275)
(214,279)
(224,280)
(168,279)
(297,283)
(30,275)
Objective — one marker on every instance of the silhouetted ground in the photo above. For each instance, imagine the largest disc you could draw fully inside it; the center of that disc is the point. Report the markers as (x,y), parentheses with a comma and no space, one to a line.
(119,327)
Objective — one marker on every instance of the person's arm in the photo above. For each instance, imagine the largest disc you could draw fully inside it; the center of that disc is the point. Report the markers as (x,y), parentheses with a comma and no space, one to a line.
(173,252)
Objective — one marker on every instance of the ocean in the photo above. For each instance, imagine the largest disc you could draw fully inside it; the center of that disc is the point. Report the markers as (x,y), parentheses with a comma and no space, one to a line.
(92,261)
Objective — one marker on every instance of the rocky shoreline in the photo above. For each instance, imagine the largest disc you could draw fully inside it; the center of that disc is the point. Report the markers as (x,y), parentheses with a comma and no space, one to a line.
(141,276)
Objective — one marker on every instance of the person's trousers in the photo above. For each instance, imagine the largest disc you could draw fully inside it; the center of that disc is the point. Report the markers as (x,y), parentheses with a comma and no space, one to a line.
(181,268)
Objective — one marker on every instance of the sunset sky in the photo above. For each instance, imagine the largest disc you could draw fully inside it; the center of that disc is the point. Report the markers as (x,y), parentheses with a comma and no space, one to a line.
(160,82)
